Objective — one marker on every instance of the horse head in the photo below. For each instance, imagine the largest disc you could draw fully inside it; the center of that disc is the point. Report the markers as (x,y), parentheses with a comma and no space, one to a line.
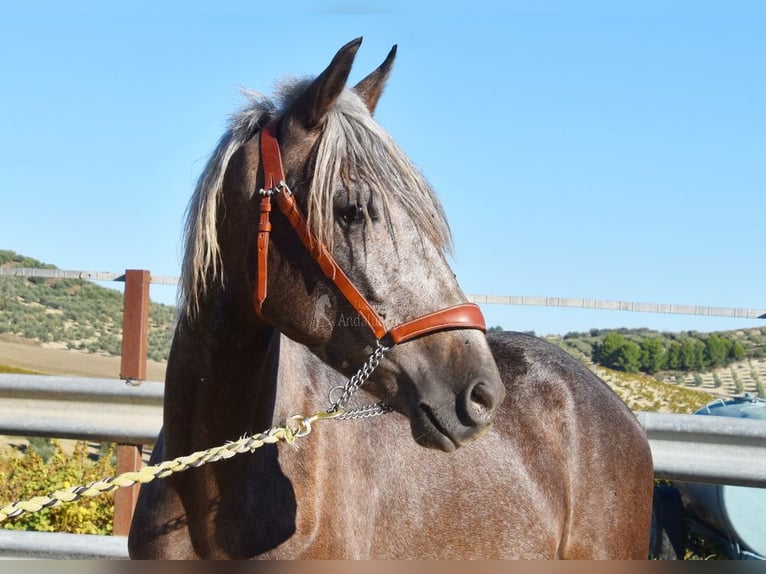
(371,217)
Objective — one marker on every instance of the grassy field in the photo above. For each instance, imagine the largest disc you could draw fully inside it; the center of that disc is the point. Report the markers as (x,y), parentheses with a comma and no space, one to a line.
(22,355)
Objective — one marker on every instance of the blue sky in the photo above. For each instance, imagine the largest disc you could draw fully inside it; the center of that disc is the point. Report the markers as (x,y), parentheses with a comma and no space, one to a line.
(595,152)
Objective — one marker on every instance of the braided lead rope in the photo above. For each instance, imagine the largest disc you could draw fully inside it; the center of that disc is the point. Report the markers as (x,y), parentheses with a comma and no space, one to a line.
(294,427)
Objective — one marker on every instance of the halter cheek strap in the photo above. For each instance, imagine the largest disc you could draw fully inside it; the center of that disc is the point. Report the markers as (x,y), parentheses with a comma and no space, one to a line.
(463,316)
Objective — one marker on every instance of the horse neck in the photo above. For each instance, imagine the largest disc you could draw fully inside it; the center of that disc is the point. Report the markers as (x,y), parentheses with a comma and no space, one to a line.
(221,377)
(228,375)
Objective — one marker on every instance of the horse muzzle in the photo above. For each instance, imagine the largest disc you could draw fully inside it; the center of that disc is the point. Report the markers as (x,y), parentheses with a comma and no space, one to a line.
(448,410)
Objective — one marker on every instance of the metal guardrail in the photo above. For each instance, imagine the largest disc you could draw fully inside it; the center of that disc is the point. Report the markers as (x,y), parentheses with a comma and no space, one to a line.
(103,410)
(694,448)
(15,544)
(708,449)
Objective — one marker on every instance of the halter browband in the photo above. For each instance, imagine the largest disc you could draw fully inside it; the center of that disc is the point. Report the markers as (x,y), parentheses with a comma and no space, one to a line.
(463,316)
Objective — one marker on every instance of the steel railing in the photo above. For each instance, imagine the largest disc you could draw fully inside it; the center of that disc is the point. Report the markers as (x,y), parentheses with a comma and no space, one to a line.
(693,448)
(712,449)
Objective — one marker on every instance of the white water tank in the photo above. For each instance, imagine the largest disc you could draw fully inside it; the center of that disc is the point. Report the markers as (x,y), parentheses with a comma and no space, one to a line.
(738,513)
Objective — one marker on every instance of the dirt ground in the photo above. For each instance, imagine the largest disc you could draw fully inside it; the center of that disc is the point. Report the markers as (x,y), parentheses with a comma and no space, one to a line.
(22,354)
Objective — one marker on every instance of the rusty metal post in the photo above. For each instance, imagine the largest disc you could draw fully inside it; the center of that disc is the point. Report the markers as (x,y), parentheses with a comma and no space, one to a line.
(128,460)
(135,325)
(135,340)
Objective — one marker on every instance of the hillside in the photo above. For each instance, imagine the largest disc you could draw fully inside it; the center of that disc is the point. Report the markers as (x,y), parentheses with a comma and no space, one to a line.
(72,314)
(729,362)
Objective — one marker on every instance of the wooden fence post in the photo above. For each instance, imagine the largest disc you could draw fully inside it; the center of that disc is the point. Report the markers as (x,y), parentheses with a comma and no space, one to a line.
(135,335)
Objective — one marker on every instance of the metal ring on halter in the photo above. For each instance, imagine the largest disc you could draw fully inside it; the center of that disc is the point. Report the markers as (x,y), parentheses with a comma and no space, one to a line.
(271,192)
(267,192)
(335,405)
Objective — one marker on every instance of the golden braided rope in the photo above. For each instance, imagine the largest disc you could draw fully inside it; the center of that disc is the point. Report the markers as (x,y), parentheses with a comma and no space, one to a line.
(294,427)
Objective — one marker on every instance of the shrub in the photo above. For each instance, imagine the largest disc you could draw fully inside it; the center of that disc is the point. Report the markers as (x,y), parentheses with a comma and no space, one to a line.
(22,477)
(759,388)
(44,447)
(739,388)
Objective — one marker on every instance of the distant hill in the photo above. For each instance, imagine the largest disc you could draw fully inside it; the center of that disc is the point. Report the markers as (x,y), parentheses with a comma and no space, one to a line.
(72,313)
(751,341)
(728,362)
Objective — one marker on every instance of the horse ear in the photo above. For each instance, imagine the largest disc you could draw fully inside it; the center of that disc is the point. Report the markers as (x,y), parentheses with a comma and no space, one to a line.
(372,86)
(311,107)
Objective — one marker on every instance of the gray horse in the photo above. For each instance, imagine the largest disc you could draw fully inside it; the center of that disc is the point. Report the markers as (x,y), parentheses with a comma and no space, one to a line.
(518,452)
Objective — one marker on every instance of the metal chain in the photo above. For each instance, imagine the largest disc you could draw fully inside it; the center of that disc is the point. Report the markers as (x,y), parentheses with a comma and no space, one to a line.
(371,410)
(353,384)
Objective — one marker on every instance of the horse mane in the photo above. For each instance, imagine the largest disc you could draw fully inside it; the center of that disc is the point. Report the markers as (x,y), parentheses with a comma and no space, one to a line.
(201,266)
(351,142)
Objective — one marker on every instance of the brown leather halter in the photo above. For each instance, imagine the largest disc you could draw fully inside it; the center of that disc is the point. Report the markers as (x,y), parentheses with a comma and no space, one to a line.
(463,316)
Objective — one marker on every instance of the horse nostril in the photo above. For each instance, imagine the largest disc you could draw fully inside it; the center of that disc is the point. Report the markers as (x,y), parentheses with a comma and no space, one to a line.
(481,397)
(478,403)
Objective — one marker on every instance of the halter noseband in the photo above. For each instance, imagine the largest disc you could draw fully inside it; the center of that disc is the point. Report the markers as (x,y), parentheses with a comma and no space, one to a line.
(463,316)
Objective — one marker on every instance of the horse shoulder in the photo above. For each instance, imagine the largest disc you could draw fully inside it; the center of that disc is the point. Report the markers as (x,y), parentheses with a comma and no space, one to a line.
(577,429)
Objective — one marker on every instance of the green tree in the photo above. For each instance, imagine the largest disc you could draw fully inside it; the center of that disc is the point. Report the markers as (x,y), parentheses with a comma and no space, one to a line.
(673,359)
(699,355)
(652,355)
(686,357)
(607,351)
(629,357)
(692,355)
(715,350)
(737,351)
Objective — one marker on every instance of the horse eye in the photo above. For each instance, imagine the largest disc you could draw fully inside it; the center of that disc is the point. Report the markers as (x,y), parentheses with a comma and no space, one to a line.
(352,214)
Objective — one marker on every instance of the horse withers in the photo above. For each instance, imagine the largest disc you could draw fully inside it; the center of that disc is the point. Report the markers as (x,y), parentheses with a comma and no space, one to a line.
(314,246)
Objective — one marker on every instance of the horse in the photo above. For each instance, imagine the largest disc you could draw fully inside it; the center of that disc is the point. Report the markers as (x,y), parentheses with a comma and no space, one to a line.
(313,245)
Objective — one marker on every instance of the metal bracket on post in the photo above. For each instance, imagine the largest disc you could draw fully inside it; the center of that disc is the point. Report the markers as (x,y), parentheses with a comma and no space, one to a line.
(135,336)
